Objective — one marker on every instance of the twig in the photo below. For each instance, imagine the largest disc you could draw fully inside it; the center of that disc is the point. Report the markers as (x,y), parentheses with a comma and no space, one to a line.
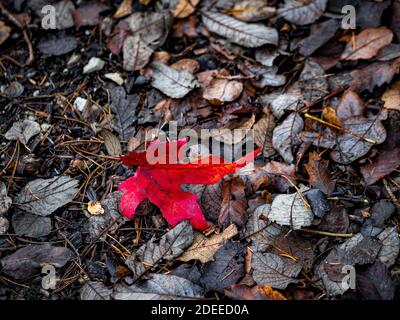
(328,234)
(22,27)
(309,116)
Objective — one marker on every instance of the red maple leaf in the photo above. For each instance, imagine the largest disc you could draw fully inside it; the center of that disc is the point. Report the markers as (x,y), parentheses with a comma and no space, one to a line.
(159,181)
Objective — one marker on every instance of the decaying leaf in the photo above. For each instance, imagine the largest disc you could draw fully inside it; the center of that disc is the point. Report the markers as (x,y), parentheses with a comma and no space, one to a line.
(391,97)
(226,269)
(5,200)
(171,245)
(124,9)
(302,12)
(88,14)
(245,34)
(175,84)
(273,270)
(221,89)
(243,292)
(112,143)
(367,43)
(252,10)
(263,130)
(210,201)
(136,53)
(286,135)
(317,169)
(203,248)
(57,45)
(390,246)
(124,108)
(23,131)
(28,261)
(4,32)
(234,203)
(234,132)
(291,210)
(95,290)
(30,225)
(44,196)
(159,287)
(183,8)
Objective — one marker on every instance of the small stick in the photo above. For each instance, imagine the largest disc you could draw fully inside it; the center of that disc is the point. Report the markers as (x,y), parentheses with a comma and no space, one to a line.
(309,116)
(328,234)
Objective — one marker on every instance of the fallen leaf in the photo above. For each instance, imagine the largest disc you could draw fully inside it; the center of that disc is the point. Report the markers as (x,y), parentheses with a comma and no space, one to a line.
(389,52)
(263,130)
(390,246)
(226,269)
(376,283)
(210,201)
(391,97)
(367,43)
(190,65)
(318,171)
(171,245)
(262,76)
(95,208)
(57,45)
(30,225)
(302,12)
(219,90)
(124,9)
(274,271)
(64,19)
(4,225)
(243,292)
(286,135)
(112,143)
(159,287)
(44,196)
(23,131)
(88,14)
(124,107)
(136,53)
(4,32)
(245,34)
(234,132)
(335,221)
(290,210)
(12,90)
(183,8)
(203,248)
(153,180)
(388,157)
(28,261)
(320,34)
(95,290)
(175,84)
(252,10)
(5,200)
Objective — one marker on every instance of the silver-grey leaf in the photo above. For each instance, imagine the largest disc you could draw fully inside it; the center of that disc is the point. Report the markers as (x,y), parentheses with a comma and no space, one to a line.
(95,290)
(5,200)
(23,131)
(136,53)
(286,135)
(171,245)
(273,270)
(290,210)
(30,225)
(302,12)
(250,35)
(174,83)
(44,196)
(390,246)
(159,287)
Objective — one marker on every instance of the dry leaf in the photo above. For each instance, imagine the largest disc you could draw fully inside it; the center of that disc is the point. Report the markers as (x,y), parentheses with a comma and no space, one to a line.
(391,97)
(302,12)
(125,8)
(136,53)
(183,8)
(203,248)
(220,90)
(245,34)
(243,292)
(367,43)
(112,143)
(95,208)
(263,130)
(252,10)
(23,131)
(4,32)
(320,178)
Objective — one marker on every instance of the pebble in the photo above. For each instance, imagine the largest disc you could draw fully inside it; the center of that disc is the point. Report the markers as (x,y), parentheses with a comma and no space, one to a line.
(116,77)
(80,104)
(94,64)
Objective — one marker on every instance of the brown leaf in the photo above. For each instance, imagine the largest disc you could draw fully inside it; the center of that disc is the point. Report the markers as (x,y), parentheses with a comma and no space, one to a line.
(263,130)
(350,106)
(244,292)
(136,53)
(367,43)
(89,14)
(190,65)
(112,143)
(211,199)
(4,32)
(252,10)
(388,158)
(124,9)
(320,177)
(391,97)
(335,221)
(203,248)
(234,203)
(220,90)
(183,8)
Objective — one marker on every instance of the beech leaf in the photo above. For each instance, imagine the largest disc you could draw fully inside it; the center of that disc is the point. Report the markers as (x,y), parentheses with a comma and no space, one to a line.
(136,53)
(302,12)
